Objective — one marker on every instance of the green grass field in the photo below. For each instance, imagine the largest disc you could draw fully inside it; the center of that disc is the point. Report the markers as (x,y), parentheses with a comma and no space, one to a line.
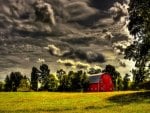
(48,102)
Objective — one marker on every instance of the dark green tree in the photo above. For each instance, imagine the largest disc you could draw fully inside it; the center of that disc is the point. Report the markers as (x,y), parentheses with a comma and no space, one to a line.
(12,81)
(119,83)
(60,73)
(73,81)
(52,83)
(126,82)
(7,86)
(94,71)
(139,27)
(24,85)
(40,76)
(1,86)
(65,83)
(85,82)
(79,81)
(44,75)
(64,80)
(76,81)
(34,78)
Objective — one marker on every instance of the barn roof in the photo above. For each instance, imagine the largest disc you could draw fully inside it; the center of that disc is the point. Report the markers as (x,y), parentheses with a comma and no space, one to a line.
(94,78)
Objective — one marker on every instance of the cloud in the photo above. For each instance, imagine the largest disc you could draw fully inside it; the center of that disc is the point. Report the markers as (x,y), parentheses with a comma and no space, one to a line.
(44,12)
(71,53)
(120,46)
(119,11)
(40,60)
(81,65)
(88,56)
(77,64)
(53,50)
(72,63)
(79,10)
(66,62)
(122,62)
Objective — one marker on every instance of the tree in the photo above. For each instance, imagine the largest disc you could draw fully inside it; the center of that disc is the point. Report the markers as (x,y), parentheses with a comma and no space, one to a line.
(12,81)
(7,86)
(116,78)
(126,82)
(119,83)
(34,78)
(64,80)
(73,81)
(52,83)
(43,76)
(24,85)
(60,73)
(79,81)
(94,71)
(40,76)
(85,82)
(1,86)
(76,81)
(139,27)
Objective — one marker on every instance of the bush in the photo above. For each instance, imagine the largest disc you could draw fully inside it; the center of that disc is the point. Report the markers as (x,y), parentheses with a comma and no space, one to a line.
(145,85)
(1,86)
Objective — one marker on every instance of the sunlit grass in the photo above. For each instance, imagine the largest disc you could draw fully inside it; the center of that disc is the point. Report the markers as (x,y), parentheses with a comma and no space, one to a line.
(47,102)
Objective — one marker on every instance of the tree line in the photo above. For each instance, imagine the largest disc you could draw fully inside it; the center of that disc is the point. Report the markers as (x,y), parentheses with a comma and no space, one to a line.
(73,81)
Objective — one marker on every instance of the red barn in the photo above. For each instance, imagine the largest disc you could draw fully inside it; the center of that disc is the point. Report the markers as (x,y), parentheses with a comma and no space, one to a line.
(100,82)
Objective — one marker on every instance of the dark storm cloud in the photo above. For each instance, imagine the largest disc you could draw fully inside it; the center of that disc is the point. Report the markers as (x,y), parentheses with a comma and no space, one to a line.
(119,37)
(79,40)
(71,53)
(102,4)
(89,56)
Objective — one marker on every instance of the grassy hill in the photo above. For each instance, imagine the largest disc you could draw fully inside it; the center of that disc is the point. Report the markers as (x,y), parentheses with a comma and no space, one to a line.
(47,102)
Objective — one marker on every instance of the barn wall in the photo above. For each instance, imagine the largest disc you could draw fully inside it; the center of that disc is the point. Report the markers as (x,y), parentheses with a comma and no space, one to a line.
(105,84)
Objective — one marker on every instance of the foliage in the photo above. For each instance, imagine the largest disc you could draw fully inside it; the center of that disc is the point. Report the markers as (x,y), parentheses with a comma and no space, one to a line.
(94,71)
(34,78)
(79,81)
(1,86)
(126,82)
(73,81)
(12,81)
(64,81)
(40,76)
(43,76)
(52,83)
(119,83)
(139,27)
(24,85)
(145,85)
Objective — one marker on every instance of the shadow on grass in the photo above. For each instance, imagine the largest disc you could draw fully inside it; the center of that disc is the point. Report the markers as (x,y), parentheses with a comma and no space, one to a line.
(38,110)
(137,97)
(97,107)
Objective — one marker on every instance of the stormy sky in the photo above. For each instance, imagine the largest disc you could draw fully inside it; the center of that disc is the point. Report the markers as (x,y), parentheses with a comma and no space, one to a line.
(86,32)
